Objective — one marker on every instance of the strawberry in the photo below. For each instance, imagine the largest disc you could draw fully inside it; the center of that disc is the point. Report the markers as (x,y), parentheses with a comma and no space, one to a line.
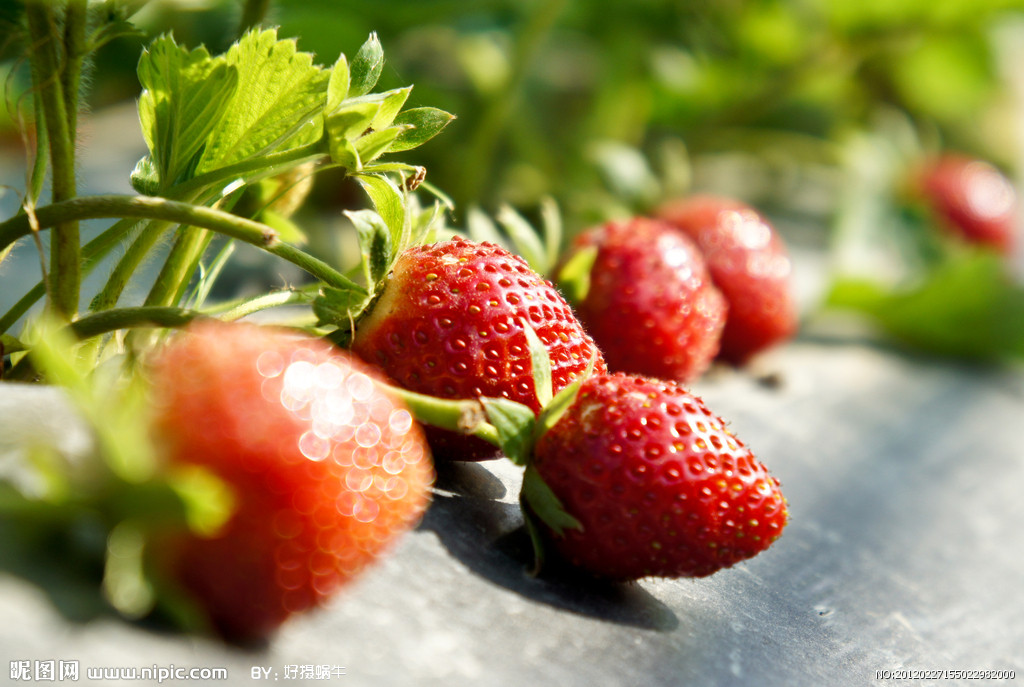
(971,199)
(650,304)
(326,468)
(748,263)
(657,484)
(449,324)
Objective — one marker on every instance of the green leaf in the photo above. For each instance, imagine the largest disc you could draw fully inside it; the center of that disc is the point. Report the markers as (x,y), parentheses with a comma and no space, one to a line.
(366,67)
(524,239)
(574,277)
(515,423)
(376,143)
(968,307)
(185,96)
(426,122)
(337,85)
(543,502)
(339,307)
(541,365)
(391,103)
(352,118)
(389,203)
(374,243)
(276,106)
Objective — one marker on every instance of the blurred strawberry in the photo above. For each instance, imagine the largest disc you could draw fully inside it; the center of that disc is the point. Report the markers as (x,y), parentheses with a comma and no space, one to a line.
(650,304)
(971,199)
(327,469)
(749,263)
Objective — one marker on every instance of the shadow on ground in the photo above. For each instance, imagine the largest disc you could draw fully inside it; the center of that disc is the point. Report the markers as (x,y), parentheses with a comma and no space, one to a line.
(488,537)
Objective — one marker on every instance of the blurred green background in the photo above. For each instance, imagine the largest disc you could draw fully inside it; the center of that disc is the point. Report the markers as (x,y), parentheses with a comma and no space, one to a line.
(812,110)
(611,106)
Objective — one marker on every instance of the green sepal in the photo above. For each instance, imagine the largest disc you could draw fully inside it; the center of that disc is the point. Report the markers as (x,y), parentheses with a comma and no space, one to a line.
(353,117)
(425,123)
(391,104)
(515,425)
(525,240)
(337,84)
(536,538)
(366,67)
(574,277)
(343,152)
(374,244)
(540,363)
(209,501)
(376,143)
(481,227)
(389,202)
(552,232)
(543,503)
(339,307)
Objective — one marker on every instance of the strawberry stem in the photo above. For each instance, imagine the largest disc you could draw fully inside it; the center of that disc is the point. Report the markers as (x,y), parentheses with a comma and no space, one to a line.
(128,318)
(465,416)
(150,207)
(65,276)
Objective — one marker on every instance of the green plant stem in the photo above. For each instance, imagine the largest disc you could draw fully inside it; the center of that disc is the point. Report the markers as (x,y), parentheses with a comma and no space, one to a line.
(238,309)
(75,24)
(464,417)
(127,265)
(253,13)
(130,318)
(149,207)
(37,176)
(181,262)
(92,253)
(65,275)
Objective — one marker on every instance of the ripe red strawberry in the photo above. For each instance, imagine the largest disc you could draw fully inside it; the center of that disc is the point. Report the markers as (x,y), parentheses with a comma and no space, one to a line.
(658,483)
(971,199)
(650,306)
(449,324)
(748,263)
(327,469)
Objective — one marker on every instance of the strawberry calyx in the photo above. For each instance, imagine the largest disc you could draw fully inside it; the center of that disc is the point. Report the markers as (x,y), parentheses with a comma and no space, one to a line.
(515,429)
